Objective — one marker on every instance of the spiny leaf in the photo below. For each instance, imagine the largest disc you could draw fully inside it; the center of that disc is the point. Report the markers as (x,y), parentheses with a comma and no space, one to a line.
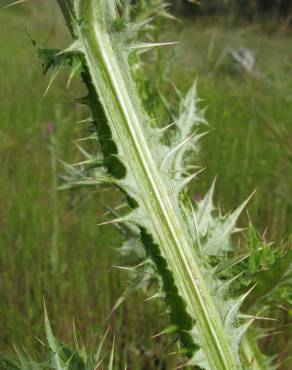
(60,356)
(63,357)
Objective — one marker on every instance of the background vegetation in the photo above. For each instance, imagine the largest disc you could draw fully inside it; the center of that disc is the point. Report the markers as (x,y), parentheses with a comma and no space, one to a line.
(248,147)
(245,8)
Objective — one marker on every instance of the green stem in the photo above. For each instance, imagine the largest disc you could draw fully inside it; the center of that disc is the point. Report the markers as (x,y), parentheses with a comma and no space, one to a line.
(127,120)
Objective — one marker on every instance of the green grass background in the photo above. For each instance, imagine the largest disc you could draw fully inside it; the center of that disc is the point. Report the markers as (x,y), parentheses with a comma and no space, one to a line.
(248,147)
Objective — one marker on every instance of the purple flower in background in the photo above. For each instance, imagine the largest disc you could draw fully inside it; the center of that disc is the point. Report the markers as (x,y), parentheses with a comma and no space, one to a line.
(197,197)
(50,128)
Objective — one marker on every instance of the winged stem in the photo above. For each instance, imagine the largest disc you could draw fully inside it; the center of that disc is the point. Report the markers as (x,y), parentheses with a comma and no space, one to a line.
(153,195)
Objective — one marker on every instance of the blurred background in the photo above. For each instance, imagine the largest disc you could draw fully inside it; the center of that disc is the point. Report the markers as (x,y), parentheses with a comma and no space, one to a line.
(240,52)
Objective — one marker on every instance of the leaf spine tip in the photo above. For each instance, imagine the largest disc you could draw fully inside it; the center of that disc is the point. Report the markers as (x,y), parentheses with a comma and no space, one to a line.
(18,2)
(183,183)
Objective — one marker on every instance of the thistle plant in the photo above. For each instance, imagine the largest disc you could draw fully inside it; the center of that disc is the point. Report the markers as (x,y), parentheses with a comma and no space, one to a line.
(178,240)
(183,246)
